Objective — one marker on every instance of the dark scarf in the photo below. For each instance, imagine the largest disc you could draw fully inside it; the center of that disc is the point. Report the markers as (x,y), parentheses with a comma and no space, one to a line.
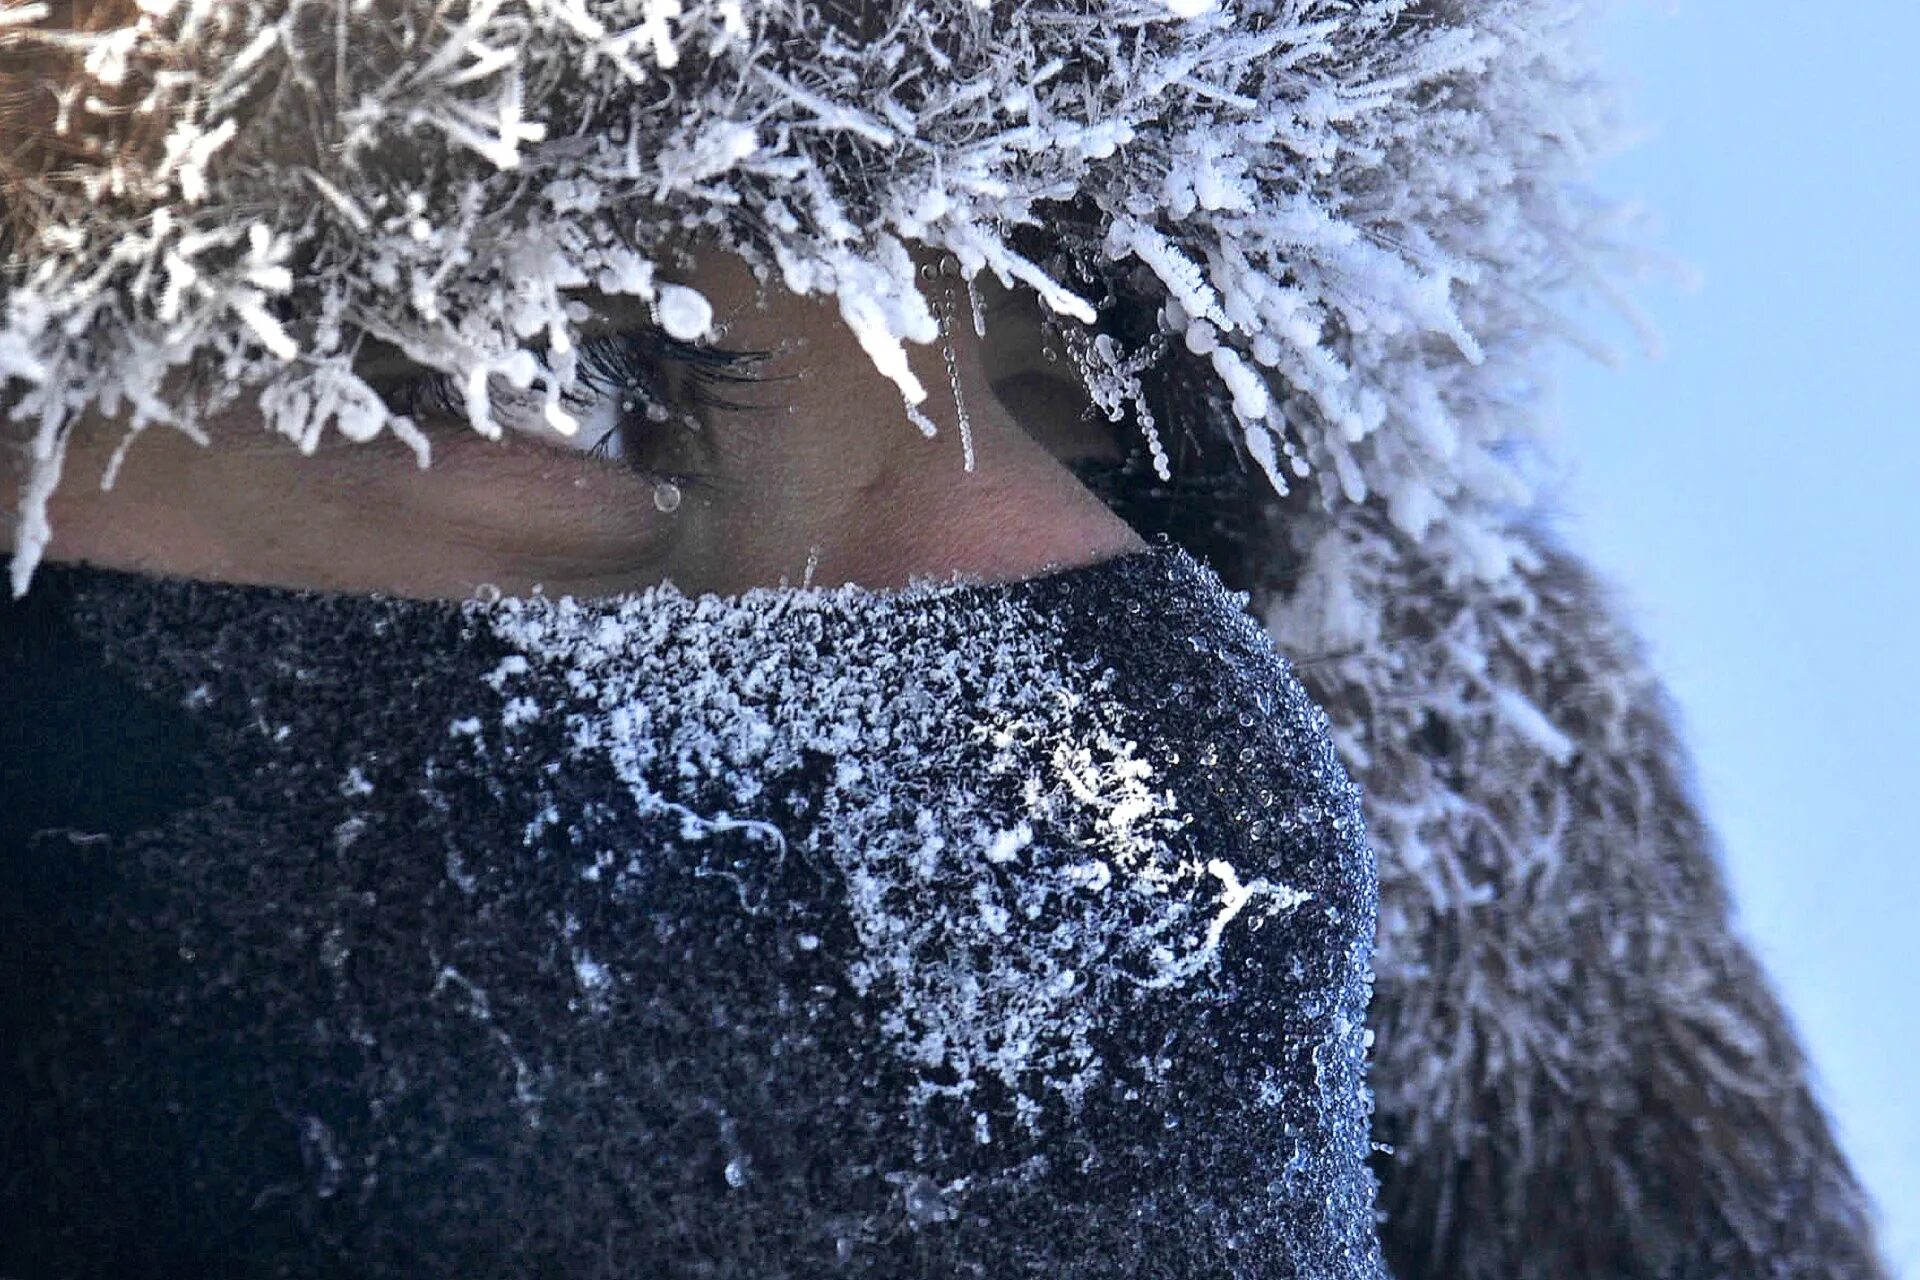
(989,931)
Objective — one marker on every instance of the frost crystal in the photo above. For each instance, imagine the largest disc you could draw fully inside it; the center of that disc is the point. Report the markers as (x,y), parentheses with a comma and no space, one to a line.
(987,992)
(684,314)
(1353,218)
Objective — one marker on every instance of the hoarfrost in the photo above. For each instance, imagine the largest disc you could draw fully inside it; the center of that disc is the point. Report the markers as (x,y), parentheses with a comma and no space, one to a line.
(526,1090)
(698,703)
(1363,276)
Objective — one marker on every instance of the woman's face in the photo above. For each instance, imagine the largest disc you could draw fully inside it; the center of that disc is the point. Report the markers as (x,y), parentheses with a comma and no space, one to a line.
(812,474)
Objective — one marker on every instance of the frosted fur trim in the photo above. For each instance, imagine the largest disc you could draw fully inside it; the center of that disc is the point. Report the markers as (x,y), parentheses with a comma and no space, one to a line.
(1352,216)
(1580,1068)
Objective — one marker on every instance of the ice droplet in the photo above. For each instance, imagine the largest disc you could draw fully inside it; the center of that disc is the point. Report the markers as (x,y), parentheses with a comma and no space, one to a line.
(925,1203)
(666,497)
(684,313)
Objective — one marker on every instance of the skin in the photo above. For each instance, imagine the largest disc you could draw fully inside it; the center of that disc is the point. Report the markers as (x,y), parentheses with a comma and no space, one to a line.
(822,480)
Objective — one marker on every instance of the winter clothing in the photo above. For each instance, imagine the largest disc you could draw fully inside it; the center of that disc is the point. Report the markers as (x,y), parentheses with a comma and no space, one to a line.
(1309,251)
(965,932)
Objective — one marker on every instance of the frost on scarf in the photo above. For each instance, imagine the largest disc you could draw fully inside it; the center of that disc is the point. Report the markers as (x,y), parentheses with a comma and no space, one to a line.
(734,694)
(1349,217)
(1012,931)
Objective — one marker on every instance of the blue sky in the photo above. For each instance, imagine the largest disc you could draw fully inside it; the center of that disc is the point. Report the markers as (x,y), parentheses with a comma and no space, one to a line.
(1756,494)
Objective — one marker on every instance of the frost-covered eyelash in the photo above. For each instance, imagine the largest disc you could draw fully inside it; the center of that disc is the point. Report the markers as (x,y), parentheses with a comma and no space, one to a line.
(632,371)
(641,360)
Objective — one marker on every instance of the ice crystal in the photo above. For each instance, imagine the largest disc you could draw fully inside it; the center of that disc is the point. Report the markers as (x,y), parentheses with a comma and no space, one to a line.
(1356,215)
(1090,892)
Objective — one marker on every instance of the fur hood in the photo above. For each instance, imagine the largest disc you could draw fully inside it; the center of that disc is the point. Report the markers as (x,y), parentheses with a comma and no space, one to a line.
(1341,223)
(1312,250)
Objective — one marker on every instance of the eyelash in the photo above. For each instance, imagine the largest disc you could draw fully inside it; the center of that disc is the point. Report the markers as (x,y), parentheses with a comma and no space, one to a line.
(635,367)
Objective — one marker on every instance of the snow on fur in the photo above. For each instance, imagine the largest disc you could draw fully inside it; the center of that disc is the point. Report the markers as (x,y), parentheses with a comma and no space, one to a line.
(1579,1069)
(1352,213)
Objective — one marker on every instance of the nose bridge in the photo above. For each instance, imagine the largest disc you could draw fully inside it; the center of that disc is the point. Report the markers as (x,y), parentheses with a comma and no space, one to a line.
(881,502)
(1016,514)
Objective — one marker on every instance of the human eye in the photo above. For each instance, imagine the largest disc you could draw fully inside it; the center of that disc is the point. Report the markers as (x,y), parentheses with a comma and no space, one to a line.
(640,397)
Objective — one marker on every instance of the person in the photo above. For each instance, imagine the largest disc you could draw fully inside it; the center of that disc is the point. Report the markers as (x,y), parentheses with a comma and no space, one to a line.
(763,799)
(802,473)
(721,816)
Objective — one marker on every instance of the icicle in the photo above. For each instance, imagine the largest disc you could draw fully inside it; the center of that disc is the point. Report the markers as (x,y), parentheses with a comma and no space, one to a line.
(32,530)
(974,309)
(944,307)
